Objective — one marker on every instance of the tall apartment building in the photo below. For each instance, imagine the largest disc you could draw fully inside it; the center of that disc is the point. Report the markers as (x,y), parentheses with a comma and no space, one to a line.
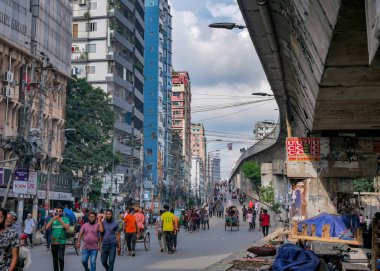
(157,107)
(108,50)
(36,125)
(35,50)
(264,128)
(181,108)
(215,169)
(198,141)
(197,186)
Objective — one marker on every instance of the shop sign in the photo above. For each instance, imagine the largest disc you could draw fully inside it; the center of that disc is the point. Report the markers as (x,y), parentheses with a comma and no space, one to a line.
(32,183)
(300,149)
(20,181)
(41,194)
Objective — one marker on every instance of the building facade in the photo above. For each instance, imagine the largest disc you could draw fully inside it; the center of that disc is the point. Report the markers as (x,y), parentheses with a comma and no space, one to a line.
(197,190)
(181,108)
(215,169)
(35,49)
(198,141)
(157,107)
(108,50)
(264,128)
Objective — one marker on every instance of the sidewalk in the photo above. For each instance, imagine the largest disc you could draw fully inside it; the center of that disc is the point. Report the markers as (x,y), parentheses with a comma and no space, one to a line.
(227,263)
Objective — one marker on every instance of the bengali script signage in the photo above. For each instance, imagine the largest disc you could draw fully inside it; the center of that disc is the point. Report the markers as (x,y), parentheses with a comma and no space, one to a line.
(300,149)
(32,183)
(20,181)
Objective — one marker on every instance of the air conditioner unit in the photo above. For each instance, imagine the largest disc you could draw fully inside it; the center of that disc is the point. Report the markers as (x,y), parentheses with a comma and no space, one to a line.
(8,77)
(7,91)
(82,2)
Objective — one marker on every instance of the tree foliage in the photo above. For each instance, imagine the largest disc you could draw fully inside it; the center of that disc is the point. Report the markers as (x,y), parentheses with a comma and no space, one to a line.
(252,171)
(364,185)
(89,123)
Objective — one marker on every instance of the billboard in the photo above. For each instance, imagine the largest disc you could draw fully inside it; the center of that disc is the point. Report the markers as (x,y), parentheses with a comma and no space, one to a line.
(300,149)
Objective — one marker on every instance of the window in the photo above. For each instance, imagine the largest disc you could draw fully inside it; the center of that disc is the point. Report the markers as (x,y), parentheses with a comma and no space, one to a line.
(90,48)
(75,31)
(149,152)
(90,69)
(92,5)
(149,167)
(91,27)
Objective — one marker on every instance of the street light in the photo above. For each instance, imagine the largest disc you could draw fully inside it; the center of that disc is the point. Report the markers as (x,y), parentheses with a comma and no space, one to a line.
(262,94)
(228,26)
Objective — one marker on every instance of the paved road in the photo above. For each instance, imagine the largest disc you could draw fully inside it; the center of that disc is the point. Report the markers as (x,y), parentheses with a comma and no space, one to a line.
(195,251)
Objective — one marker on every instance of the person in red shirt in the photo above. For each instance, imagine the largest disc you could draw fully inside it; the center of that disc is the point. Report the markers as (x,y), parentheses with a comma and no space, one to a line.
(130,231)
(265,222)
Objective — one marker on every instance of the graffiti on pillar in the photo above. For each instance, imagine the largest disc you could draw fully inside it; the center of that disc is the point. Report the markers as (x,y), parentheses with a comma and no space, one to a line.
(298,206)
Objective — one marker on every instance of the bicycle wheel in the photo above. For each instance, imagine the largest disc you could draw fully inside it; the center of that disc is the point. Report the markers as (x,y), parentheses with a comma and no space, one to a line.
(147,241)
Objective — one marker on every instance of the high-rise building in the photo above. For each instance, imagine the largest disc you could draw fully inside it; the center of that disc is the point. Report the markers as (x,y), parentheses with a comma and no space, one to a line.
(198,141)
(263,129)
(197,186)
(181,107)
(157,93)
(34,47)
(108,50)
(215,169)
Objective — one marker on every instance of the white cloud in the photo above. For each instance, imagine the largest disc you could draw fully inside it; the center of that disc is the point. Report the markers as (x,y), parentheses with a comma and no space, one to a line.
(225,11)
(220,62)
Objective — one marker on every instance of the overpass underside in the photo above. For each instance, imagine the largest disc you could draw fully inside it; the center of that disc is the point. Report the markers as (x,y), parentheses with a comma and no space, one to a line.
(321,59)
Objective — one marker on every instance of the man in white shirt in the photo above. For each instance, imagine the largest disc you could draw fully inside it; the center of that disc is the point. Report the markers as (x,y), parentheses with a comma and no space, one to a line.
(29,228)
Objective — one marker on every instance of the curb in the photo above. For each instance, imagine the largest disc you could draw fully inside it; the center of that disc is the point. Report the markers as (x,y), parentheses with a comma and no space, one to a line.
(226,263)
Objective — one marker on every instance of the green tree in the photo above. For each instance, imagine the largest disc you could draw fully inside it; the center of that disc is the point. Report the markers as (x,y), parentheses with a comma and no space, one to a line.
(364,185)
(252,171)
(89,136)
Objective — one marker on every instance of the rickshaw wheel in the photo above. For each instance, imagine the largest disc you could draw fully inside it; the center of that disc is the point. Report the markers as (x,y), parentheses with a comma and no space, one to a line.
(147,241)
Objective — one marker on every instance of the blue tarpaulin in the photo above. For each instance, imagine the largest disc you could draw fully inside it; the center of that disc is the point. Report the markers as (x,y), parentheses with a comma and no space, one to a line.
(292,258)
(341,226)
(70,215)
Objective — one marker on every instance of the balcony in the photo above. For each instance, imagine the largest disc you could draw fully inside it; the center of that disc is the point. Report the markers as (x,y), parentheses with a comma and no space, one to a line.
(122,126)
(121,103)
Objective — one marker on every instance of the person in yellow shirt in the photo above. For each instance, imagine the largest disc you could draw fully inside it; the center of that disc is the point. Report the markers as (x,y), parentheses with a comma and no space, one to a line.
(176,229)
(168,226)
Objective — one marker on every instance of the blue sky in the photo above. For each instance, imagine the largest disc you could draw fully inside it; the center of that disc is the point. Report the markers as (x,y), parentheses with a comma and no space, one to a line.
(220,62)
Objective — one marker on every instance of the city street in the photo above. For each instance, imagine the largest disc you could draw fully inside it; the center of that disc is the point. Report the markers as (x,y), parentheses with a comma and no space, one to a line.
(195,251)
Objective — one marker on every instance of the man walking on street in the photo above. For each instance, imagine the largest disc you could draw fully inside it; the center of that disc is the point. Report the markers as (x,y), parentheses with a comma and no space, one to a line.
(110,241)
(168,228)
(28,230)
(59,225)
(131,231)
(90,232)
(265,222)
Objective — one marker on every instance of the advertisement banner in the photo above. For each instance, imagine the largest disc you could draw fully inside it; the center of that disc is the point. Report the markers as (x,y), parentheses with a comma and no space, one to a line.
(300,149)
(20,181)
(32,183)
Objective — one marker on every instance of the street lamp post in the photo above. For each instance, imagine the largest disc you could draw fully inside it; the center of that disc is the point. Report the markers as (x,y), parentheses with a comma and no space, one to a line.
(228,26)
(262,94)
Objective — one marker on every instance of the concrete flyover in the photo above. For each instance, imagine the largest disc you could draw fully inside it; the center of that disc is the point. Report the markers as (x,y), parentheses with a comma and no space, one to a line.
(322,61)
